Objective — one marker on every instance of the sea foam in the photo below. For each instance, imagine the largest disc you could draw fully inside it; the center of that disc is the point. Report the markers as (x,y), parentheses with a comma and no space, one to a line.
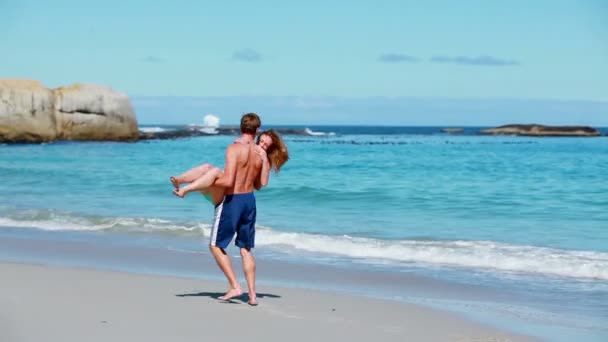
(487,255)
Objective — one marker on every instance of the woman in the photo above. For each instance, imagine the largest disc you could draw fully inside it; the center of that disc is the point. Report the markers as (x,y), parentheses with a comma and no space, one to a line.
(270,147)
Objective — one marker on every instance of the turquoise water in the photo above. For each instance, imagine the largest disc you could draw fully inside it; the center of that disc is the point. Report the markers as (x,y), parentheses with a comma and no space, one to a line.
(510,212)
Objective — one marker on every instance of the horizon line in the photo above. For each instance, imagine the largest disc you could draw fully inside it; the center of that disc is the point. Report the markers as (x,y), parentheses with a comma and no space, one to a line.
(370,125)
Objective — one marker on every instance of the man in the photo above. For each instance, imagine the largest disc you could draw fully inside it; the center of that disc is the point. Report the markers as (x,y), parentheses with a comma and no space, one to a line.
(246,168)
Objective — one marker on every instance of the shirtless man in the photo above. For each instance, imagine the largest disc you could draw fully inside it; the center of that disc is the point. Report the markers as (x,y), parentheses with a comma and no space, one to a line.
(244,170)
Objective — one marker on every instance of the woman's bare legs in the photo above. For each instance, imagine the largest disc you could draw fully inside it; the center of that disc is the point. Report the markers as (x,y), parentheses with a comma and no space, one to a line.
(202,183)
(216,192)
(190,175)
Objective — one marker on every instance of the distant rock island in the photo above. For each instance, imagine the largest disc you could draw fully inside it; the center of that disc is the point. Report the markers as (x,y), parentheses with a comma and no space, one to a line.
(535,130)
(31,113)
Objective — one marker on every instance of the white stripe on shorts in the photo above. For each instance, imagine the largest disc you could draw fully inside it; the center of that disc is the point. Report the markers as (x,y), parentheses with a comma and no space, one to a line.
(216,223)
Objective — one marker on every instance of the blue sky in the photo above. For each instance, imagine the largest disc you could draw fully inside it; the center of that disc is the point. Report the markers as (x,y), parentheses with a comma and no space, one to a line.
(362,62)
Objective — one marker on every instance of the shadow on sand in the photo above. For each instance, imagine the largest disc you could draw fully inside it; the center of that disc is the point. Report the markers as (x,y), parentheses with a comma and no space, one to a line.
(216,295)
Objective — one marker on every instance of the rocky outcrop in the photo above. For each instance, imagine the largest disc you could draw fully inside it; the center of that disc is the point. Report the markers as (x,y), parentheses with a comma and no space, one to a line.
(92,112)
(543,131)
(29,112)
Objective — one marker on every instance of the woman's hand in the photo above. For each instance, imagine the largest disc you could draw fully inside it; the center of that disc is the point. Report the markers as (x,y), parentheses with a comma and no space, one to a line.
(260,152)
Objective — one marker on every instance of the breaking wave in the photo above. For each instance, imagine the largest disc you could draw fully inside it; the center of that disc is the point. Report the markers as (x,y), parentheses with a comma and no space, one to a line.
(488,255)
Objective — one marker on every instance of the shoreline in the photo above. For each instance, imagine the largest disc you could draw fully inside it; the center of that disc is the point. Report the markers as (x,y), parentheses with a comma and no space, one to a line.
(162,256)
(153,255)
(74,304)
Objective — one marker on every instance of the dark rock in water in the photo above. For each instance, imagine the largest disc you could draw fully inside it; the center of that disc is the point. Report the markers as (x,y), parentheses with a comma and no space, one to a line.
(196,132)
(292,131)
(452,130)
(235,130)
(534,130)
(229,130)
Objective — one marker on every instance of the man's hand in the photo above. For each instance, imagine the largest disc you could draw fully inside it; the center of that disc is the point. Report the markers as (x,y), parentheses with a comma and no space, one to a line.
(262,180)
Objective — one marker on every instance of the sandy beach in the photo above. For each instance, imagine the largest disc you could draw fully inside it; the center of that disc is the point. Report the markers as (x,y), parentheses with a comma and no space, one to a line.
(49,303)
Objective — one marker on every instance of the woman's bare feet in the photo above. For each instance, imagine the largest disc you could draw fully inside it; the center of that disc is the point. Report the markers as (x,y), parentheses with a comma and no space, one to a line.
(180,192)
(175,182)
(232,293)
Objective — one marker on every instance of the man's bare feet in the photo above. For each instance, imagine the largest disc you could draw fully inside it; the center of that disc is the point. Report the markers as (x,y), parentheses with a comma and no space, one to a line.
(232,293)
(179,192)
(253,301)
(175,182)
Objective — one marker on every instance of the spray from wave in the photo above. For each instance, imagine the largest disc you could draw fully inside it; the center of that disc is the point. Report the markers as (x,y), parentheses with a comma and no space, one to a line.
(210,124)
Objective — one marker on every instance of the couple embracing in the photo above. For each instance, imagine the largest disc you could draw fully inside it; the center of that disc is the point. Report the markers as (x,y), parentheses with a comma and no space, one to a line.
(247,168)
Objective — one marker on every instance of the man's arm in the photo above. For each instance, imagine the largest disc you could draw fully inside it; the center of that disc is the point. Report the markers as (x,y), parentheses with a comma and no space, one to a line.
(262,179)
(227,179)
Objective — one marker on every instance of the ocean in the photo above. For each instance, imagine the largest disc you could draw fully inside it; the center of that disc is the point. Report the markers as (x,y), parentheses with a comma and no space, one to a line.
(523,217)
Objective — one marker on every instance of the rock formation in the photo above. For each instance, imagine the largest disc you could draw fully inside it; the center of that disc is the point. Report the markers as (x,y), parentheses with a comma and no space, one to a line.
(543,131)
(29,112)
